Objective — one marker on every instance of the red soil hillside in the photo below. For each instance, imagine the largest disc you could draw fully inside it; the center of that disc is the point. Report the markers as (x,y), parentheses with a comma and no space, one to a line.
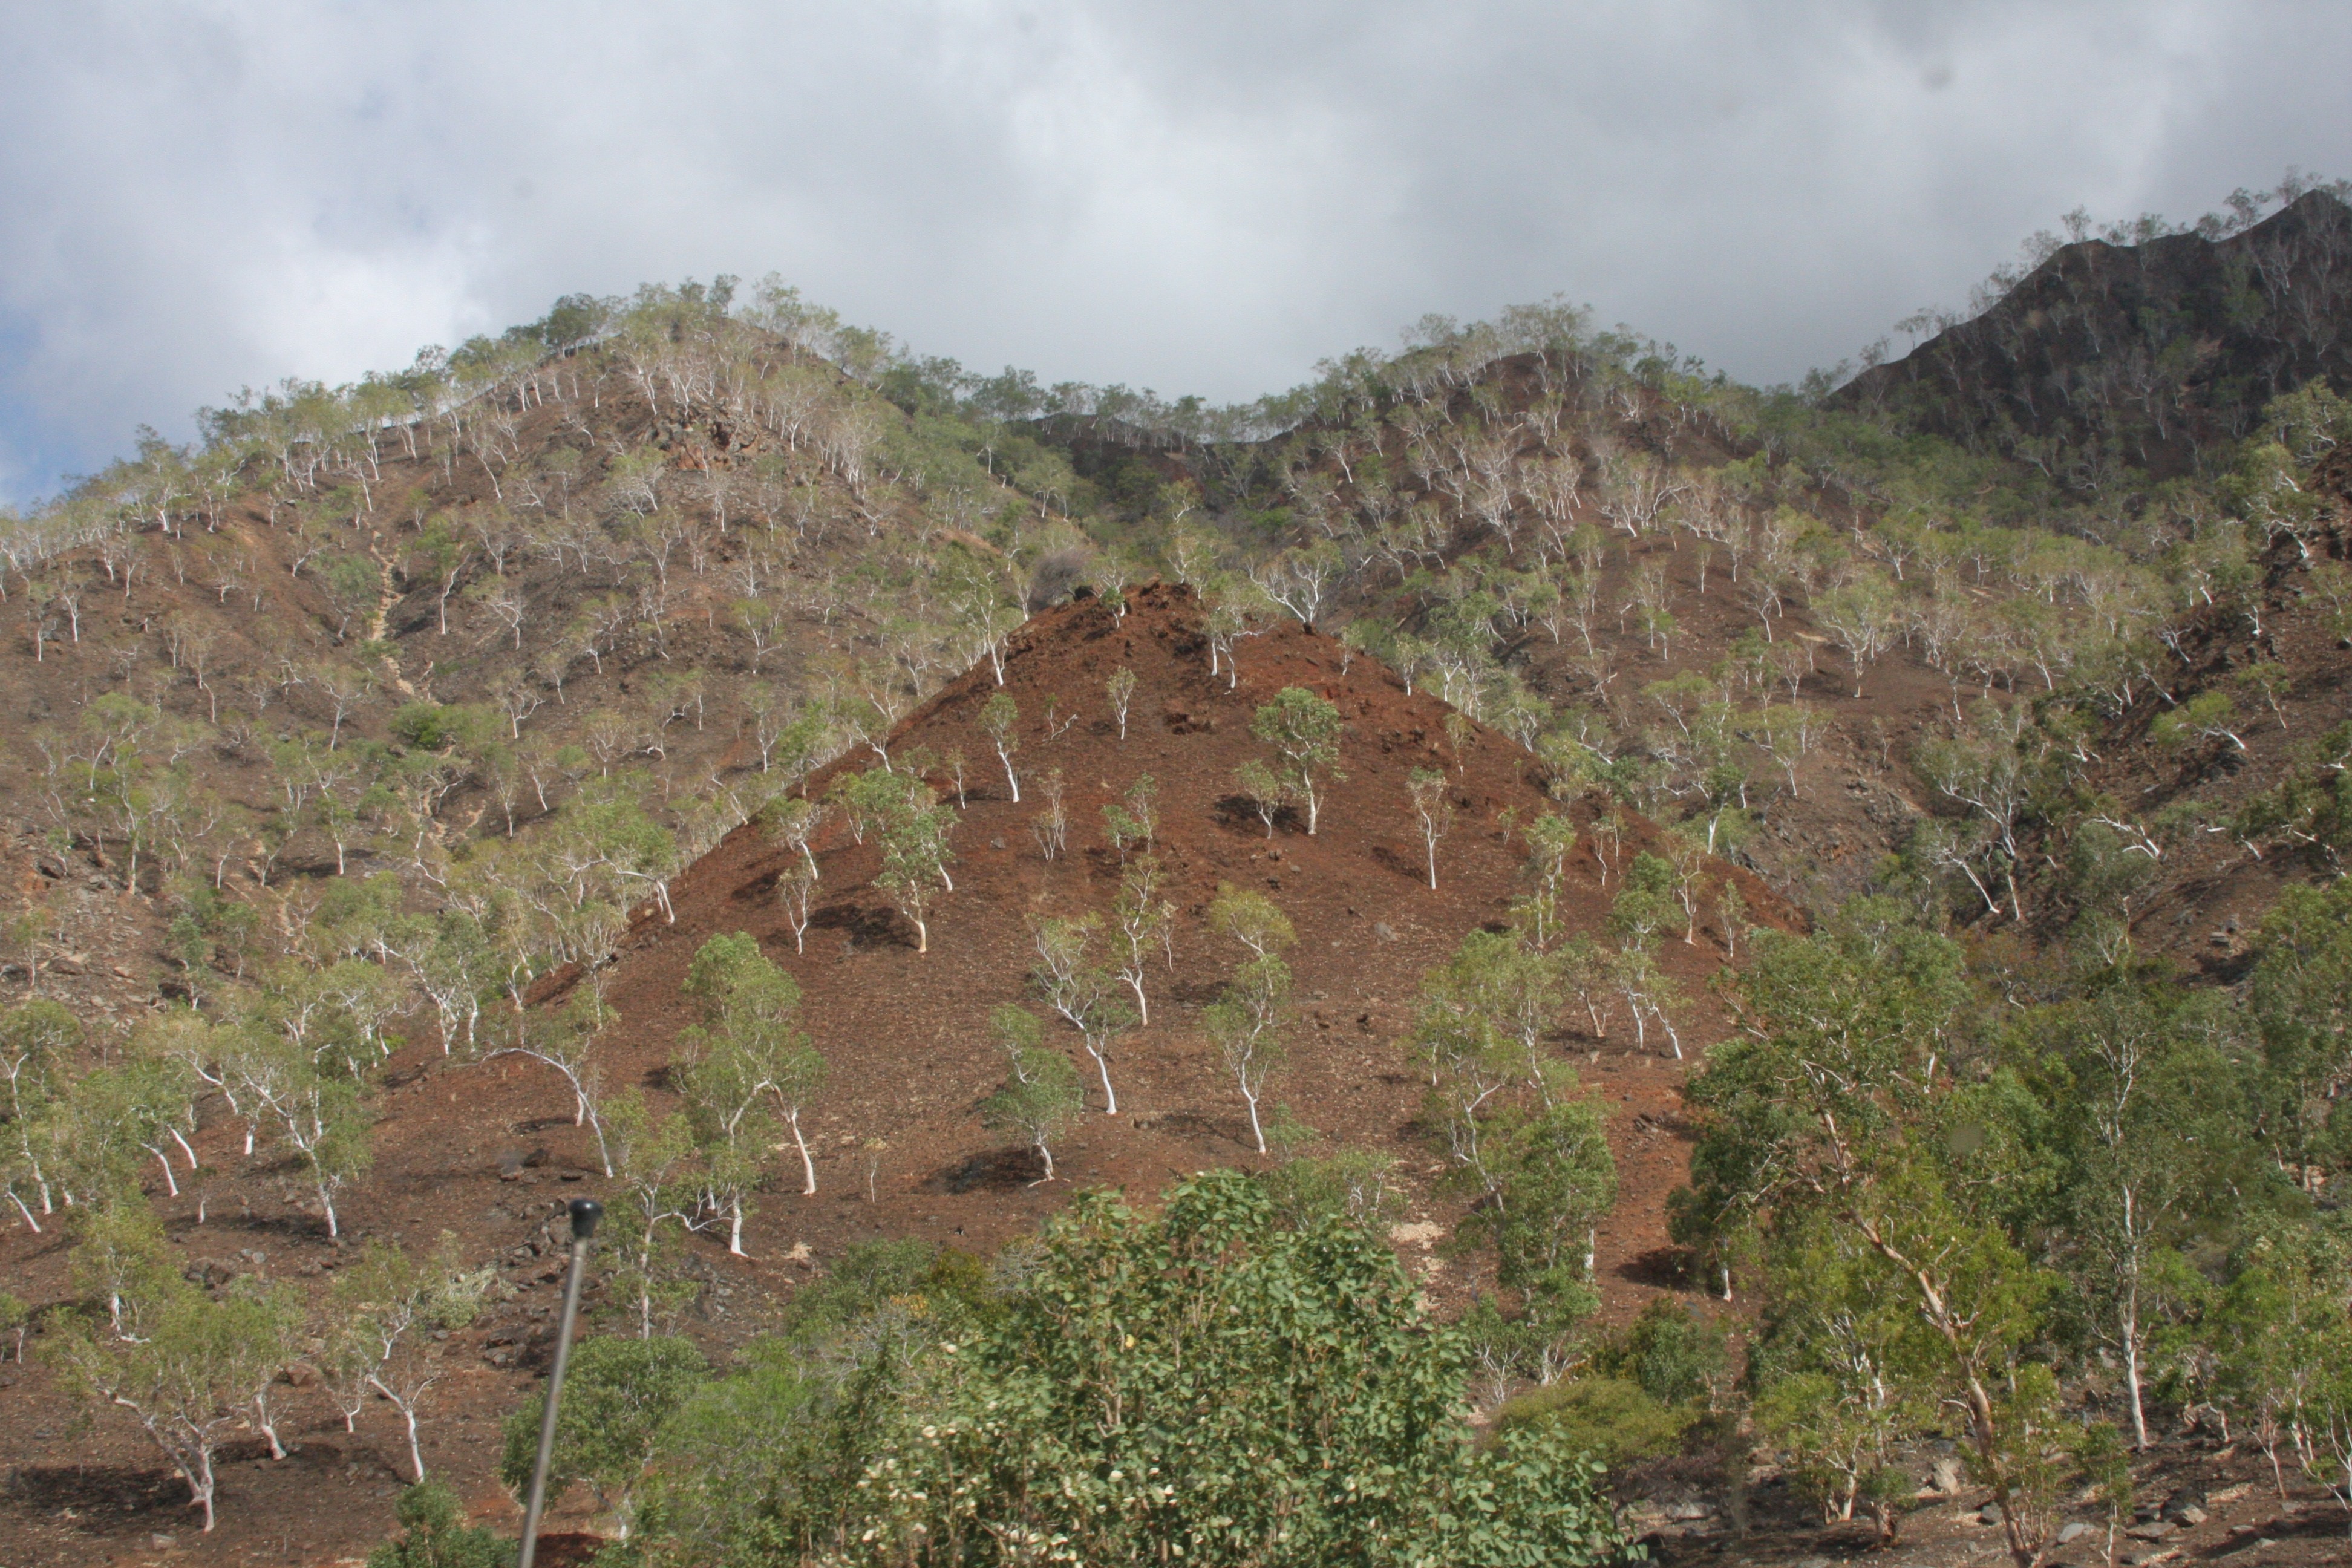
(906,1033)
(487,1150)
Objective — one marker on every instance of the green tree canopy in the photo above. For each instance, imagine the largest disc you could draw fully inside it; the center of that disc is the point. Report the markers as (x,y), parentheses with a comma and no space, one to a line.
(1304,731)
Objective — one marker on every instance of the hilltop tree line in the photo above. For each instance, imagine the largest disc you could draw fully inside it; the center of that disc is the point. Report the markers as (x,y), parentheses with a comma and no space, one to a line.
(1572,451)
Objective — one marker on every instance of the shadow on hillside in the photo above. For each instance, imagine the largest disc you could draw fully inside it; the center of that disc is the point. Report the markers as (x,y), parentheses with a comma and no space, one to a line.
(1661,1268)
(997,1171)
(860,927)
(1239,813)
(297,1225)
(103,1499)
(1192,1124)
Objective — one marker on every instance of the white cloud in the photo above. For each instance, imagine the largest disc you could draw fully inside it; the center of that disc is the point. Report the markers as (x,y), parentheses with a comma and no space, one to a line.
(1205,197)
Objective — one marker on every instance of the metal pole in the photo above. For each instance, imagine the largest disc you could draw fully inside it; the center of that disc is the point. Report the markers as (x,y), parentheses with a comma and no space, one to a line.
(585,1212)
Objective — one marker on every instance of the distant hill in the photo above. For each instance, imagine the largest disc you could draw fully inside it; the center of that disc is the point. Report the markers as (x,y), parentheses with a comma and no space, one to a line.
(2108,357)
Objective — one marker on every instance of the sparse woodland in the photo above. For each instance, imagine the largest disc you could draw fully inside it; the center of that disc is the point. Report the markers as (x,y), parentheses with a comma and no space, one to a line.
(385,725)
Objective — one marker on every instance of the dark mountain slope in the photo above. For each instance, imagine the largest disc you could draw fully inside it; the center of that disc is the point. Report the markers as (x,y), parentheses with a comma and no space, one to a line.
(2150,356)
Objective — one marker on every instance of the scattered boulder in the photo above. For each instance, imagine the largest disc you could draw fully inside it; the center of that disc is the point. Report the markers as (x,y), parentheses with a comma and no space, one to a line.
(212,1273)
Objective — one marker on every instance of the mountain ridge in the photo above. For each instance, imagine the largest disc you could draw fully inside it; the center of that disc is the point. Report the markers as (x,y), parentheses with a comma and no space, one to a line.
(2152,354)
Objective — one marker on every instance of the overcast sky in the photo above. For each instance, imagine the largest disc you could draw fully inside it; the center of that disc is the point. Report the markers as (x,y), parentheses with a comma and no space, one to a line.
(1190,197)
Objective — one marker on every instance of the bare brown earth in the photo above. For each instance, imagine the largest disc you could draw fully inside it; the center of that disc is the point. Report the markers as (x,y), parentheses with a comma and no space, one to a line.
(1368,924)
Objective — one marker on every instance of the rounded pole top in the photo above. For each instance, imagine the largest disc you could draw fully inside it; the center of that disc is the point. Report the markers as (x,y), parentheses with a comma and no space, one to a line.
(585,1212)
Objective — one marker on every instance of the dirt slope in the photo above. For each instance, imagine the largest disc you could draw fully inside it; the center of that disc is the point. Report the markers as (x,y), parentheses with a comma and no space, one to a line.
(905,1033)
(488,1149)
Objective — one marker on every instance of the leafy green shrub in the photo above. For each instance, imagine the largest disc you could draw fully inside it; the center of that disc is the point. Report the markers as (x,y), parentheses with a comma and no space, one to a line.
(1353,1183)
(1611,1420)
(871,1274)
(758,1466)
(1504,1510)
(1675,1354)
(1835,1447)
(1203,1382)
(616,1396)
(426,726)
(434,1535)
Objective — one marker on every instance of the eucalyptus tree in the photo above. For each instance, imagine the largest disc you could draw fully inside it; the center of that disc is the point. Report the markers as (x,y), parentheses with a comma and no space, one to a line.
(749,1049)
(1144,923)
(656,1163)
(1304,731)
(392,1312)
(1861,615)
(998,716)
(1833,1111)
(1991,765)
(1134,817)
(38,1039)
(191,1382)
(1432,805)
(1040,1095)
(2300,997)
(1121,688)
(320,1116)
(1265,791)
(916,853)
(1551,839)
(1246,1023)
(1251,919)
(563,1040)
(111,1122)
(2145,1099)
(1084,993)
(1300,579)
(1549,1179)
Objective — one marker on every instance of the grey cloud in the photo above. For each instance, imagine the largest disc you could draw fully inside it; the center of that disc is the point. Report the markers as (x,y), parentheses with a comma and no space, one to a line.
(1206,198)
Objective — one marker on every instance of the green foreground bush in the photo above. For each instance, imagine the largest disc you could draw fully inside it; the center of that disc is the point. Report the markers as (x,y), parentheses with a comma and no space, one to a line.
(433,1534)
(1203,1384)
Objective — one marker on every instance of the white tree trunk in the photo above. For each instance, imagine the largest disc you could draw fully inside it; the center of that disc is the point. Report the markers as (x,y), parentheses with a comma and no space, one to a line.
(808,1166)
